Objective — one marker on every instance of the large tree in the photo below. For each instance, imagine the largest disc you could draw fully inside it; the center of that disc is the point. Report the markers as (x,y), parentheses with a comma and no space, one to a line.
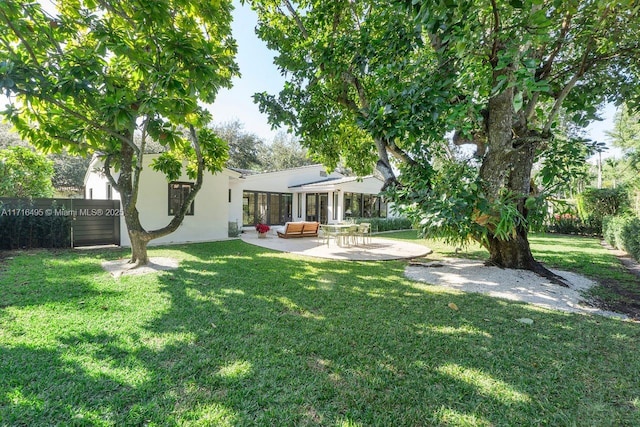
(284,152)
(626,134)
(244,146)
(105,76)
(382,80)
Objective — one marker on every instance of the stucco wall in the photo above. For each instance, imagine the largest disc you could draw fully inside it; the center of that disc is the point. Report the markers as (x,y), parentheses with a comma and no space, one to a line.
(96,185)
(211,208)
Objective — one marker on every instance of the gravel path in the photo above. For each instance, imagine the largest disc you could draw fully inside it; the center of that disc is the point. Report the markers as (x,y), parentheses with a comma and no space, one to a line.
(517,285)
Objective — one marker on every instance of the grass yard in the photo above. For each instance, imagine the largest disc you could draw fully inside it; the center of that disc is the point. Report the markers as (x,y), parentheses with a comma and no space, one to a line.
(241,335)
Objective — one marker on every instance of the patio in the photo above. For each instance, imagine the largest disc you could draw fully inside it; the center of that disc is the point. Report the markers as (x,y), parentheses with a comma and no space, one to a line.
(378,249)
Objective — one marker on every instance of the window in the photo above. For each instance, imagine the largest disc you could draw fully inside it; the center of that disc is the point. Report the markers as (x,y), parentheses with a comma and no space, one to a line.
(358,205)
(178,193)
(109,192)
(271,208)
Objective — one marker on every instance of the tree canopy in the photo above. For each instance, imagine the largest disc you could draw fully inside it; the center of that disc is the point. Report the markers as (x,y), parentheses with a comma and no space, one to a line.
(376,80)
(68,171)
(104,77)
(244,147)
(626,134)
(25,173)
(284,152)
(248,151)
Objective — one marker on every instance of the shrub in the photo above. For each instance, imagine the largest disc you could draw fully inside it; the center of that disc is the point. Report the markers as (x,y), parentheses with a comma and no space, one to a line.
(596,203)
(623,232)
(386,224)
(234,230)
(572,224)
(565,220)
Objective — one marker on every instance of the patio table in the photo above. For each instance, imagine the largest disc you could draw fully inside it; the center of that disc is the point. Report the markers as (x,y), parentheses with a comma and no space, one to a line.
(340,232)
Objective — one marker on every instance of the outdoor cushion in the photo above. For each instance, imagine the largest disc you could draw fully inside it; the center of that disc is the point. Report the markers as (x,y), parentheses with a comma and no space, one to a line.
(299,229)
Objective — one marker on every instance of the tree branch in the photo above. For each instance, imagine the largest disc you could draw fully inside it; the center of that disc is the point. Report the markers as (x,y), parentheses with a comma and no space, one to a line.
(179,216)
(584,64)
(77,115)
(400,154)
(18,34)
(107,172)
(496,29)
(544,71)
(296,17)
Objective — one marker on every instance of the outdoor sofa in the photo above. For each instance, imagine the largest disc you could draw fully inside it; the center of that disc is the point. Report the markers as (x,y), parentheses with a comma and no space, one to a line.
(299,229)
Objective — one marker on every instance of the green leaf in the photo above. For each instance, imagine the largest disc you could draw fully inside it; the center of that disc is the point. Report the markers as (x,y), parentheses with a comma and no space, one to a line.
(517,102)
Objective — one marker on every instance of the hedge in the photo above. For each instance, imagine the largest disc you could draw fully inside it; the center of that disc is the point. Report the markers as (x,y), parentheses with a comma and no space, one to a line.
(572,224)
(386,224)
(23,225)
(623,232)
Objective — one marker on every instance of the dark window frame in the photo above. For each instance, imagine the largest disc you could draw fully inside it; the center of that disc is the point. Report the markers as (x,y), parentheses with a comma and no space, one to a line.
(361,203)
(181,196)
(280,210)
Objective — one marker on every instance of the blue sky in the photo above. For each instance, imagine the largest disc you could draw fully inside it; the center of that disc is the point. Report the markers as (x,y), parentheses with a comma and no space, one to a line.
(258,74)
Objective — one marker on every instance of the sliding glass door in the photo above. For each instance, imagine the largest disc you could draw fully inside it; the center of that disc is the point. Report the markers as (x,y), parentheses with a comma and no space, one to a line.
(270,208)
(317,207)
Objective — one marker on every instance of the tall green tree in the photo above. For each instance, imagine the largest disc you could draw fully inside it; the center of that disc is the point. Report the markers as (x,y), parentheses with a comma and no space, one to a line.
(9,138)
(284,152)
(244,147)
(25,173)
(388,81)
(105,77)
(69,172)
(626,134)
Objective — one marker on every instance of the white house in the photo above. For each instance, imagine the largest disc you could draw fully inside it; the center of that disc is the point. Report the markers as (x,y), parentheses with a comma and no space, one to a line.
(306,193)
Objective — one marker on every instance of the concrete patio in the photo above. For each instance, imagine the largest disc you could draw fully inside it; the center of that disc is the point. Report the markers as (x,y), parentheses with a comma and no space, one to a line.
(378,249)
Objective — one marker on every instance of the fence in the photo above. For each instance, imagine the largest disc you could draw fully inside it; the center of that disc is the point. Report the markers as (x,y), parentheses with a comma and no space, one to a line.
(58,223)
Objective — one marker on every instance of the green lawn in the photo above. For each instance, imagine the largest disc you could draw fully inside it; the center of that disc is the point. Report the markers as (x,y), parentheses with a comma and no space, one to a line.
(241,335)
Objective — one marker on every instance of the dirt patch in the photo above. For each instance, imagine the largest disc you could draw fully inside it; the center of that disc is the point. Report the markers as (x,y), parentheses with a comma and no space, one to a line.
(624,297)
(517,285)
(620,299)
(121,267)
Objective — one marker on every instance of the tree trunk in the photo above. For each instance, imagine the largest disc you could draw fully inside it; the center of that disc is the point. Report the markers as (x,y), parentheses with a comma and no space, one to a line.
(138,236)
(507,167)
(515,253)
(138,249)
(128,185)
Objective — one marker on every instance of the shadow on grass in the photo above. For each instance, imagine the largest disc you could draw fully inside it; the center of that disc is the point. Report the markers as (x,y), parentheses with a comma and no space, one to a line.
(33,279)
(245,336)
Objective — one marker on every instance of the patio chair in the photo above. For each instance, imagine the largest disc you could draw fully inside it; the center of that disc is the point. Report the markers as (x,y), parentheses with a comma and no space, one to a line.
(364,231)
(352,234)
(328,232)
